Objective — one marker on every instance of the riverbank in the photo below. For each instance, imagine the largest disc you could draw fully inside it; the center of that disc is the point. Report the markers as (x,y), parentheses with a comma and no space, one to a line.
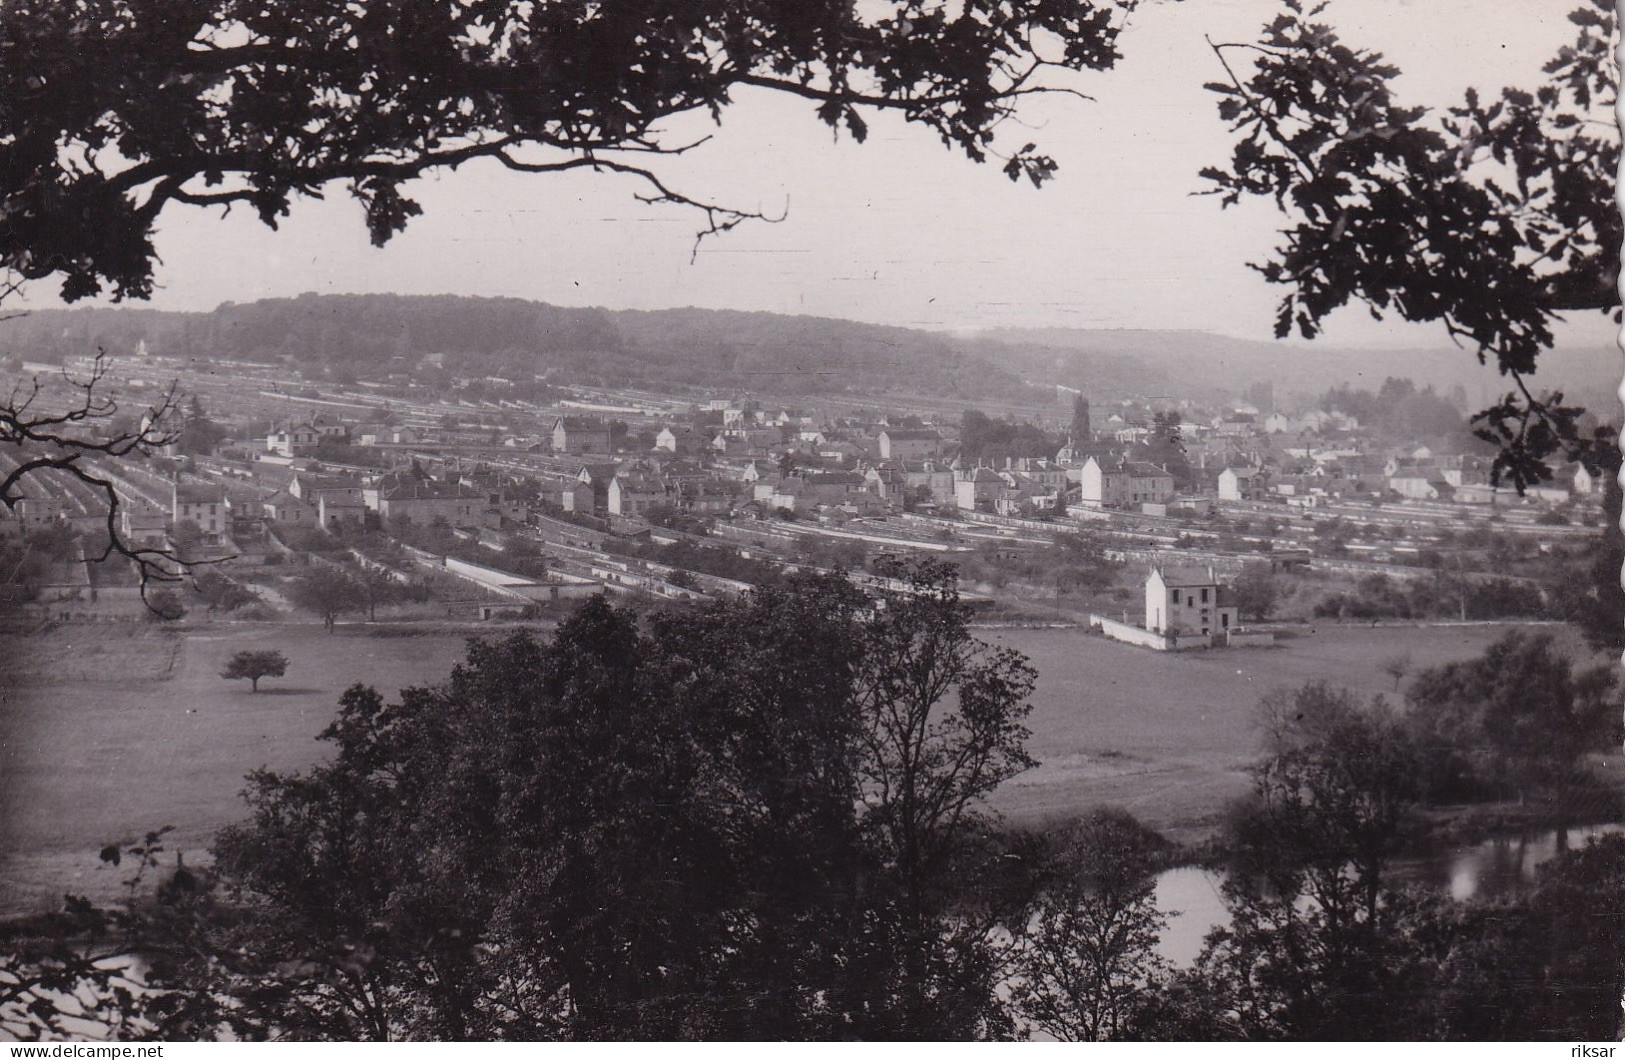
(1169,737)
(1502,865)
(108,732)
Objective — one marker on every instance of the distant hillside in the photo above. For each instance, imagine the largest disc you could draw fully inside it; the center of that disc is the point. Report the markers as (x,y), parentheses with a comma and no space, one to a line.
(1113,363)
(516,338)
(767,352)
(790,354)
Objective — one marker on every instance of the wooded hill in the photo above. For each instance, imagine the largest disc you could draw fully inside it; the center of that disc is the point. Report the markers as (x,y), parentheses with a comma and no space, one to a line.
(371,334)
(764,352)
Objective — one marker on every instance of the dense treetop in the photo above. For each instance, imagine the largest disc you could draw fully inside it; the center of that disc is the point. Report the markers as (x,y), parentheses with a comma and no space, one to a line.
(1492,218)
(766,818)
(115,109)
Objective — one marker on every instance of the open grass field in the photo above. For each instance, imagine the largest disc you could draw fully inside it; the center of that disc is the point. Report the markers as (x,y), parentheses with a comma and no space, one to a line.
(1168,736)
(108,732)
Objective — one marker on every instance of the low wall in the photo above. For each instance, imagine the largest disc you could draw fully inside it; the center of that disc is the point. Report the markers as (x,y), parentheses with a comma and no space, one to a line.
(570,533)
(111,604)
(624,578)
(498,581)
(368,563)
(1045,525)
(568,588)
(1144,638)
(1237,638)
(1128,634)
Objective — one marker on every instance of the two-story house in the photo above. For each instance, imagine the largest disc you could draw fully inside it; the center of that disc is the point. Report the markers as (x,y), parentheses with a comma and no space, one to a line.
(633,493)
(580,434)
(902,443)
(1129,483)
(203,505)
(1241,483)
(292,439)
(1187,600)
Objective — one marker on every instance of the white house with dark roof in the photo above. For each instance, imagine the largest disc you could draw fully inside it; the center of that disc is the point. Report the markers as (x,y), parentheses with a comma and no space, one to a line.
(142,524)
(327,426)
(809,490)
(978,489)
(884,480)
(1126,484)
(292,439)
(633,493)
(1466,470)
(679,438)
(1187,600)
(1582,481)
(202,504)
(1241,483)
(284,507)
(421,502)
(310,488)
(904,443)
(1421,486)
(335,508)
(580,434)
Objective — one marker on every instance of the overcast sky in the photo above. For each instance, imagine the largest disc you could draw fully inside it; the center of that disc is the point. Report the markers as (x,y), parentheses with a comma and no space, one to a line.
(897,230)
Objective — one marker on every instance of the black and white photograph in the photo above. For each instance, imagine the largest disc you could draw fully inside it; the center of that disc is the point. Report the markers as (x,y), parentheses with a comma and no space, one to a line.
(811,521)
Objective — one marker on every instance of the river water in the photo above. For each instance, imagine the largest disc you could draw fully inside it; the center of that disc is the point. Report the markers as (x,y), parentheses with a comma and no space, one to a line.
(1494,868)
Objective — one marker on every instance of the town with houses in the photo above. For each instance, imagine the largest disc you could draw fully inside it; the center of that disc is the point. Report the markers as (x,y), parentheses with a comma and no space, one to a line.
(487,507)
(1147,588)
(868,521)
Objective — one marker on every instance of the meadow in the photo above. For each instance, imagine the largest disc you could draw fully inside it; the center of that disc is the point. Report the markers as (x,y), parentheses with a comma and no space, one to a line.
(1169,736)
(107,732)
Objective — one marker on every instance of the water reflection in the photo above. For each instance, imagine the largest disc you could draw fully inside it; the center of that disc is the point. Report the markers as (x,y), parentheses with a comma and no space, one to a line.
(1500,867)
(1191,896)
(1495,868)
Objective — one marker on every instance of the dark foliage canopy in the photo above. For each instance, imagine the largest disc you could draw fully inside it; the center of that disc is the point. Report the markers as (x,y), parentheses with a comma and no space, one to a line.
(251,665)
(114,109)
(328,593)
(1089,963)
(1517,717)
(370,336)
(1400,408)
(757,819)
(1325,943)
(982,438)
(764,818)
(1596,603)
(1493,218)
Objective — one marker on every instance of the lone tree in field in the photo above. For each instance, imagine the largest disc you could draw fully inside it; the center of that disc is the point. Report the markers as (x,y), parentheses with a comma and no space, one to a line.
(1397,667)
(253,665)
